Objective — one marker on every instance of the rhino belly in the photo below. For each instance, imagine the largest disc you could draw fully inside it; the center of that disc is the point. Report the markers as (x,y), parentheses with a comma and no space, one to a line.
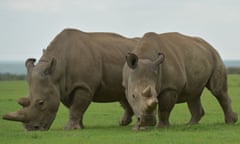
(108,95)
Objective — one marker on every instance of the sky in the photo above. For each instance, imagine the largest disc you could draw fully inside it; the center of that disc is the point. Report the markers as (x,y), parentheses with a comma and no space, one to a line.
(28,26)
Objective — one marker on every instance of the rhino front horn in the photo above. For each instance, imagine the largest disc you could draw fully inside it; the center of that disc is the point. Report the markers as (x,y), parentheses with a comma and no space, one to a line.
(15,116)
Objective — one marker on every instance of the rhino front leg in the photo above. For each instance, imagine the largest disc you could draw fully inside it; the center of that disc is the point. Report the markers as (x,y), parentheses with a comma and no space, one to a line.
(166,103)
(128,113)
(196,110)
(80,102)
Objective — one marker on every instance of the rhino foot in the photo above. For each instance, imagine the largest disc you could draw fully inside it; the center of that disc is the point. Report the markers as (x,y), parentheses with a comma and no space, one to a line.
(73,126)
(125,122)
(138,128)
(232,118)
(162,125)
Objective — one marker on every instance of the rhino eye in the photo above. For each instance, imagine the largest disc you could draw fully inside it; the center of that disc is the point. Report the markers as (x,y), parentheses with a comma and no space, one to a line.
(41,102)
(133,96)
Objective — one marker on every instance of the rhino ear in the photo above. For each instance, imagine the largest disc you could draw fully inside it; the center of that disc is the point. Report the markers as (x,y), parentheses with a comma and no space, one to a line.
(29,63)
(160,59)
(132,60)
(50,67)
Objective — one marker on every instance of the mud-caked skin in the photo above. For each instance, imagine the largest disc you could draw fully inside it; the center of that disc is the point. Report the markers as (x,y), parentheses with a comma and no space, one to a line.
(170,68)
(75,69)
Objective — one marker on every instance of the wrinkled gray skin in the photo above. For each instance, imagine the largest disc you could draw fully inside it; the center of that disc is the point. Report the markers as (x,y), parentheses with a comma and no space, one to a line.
(76,68)
(170,68)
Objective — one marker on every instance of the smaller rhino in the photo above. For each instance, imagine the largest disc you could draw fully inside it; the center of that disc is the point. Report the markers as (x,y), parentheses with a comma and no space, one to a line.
(170,68)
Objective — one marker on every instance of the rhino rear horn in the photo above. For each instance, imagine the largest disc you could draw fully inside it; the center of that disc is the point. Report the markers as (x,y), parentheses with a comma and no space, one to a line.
(15,116)
(132,60)
(147,92)
(24,101)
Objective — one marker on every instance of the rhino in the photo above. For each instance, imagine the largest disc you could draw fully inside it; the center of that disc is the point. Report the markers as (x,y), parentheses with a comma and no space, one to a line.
(170,68)
(76,68)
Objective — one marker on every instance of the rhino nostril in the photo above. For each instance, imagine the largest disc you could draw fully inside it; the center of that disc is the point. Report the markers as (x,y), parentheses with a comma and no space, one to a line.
(138,119)
(36,127)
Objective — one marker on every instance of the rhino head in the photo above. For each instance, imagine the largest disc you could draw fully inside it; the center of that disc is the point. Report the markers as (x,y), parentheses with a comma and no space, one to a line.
(39,108)
(140,80)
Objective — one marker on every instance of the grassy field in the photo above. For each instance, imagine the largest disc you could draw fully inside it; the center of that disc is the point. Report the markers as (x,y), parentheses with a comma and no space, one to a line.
(101,121)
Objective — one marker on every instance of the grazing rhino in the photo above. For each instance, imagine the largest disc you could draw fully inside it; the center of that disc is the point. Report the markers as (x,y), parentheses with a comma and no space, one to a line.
(170,68)
(76,68)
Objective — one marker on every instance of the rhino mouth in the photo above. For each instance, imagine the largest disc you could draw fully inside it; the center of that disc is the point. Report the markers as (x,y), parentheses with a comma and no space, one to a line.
(36,127)
(146,120)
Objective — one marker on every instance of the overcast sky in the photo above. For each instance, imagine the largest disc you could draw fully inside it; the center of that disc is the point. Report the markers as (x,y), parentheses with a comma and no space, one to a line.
(28,26)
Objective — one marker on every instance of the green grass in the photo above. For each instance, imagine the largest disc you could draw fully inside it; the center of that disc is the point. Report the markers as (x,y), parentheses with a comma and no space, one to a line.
(101,121)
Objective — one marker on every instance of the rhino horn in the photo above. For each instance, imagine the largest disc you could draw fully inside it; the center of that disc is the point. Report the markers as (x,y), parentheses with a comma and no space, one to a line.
(15,116)
(147,92)
(24,101)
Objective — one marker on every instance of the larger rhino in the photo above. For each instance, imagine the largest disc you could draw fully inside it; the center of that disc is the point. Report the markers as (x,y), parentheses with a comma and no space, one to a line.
(170,68)
(76,68)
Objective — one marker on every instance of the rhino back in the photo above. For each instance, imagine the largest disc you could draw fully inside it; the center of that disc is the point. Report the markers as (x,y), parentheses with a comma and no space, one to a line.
(92,60)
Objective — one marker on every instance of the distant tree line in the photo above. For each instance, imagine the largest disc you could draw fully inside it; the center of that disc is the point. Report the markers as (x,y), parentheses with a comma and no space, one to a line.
(9,76)
(233,70)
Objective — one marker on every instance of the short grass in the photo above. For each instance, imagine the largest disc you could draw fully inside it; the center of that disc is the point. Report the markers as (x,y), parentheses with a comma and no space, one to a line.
(101,121)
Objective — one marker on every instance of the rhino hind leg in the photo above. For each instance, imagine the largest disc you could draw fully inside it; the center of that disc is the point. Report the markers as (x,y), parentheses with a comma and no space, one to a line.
(80,102)
(225,102)
(217,84)
(128,113)
(196,110)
